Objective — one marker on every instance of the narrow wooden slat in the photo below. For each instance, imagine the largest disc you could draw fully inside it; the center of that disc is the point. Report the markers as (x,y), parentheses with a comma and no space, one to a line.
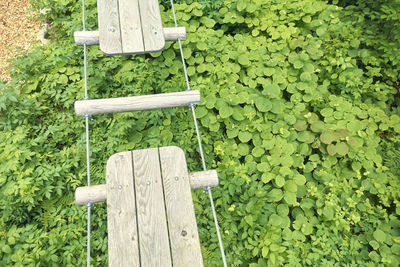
(131,27)
(184,238)
(109,29)
(136,103)
(152,224)
(151,25)
(123,249)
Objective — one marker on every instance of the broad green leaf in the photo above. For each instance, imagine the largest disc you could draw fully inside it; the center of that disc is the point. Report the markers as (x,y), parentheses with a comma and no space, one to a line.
(331,148)
(300,125)
(299,179)
(245,137)
(263,104)
(290,186)
(342,149)
(275,220)
(272,90)
(225,111)
(275,195)
(317,126)
(327,136)
(379,235)
(290,198)
(279,181)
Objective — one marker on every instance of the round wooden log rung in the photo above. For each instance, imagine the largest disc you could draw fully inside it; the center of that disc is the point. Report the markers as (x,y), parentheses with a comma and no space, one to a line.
(136,103)
(171,34)
(91,194)
(98,193)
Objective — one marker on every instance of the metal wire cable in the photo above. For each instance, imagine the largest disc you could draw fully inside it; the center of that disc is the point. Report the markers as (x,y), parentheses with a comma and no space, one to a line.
(208,188)
(89,205)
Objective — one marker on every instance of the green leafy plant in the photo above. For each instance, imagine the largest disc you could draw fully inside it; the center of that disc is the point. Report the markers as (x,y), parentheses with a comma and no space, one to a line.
(299,115)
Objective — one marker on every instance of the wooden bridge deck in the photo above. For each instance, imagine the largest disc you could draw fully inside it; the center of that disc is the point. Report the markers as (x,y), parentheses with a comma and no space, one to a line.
(130,26)
(151,220)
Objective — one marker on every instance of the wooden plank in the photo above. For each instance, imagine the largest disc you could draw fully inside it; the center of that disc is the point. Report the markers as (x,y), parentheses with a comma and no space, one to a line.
(151,25)
(184,238)
(92,37)
(109,29)
(131,27)
(136,103)
(152,224)
(123,249)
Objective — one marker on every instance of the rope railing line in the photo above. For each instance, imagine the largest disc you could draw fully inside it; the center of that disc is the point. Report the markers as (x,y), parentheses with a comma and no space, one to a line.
(89,205)
(208,189)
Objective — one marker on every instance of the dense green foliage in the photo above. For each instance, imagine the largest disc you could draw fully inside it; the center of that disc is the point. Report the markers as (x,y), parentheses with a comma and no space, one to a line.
(299,116)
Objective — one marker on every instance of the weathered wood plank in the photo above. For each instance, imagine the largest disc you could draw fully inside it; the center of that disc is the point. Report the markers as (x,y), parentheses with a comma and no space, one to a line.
(136,103)
(92,37)
(123,249)
(109,29)
(151,25)
(184,238)
(131,27)
(152,223)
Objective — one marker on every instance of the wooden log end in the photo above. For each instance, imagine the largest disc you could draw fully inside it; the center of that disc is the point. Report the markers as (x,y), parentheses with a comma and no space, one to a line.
(203,179)
(91,194)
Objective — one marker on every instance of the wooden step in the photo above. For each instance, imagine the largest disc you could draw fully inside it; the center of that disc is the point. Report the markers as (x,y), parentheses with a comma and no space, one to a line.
(150,214)
(98,193)
(130,26)
(136,103)
(92,37)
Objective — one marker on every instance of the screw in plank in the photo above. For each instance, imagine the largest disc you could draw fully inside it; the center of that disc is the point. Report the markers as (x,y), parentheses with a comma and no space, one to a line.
(176,178)
(148,182)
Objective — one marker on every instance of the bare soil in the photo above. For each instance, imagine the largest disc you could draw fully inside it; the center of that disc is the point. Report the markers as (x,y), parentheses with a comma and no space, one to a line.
(17,30)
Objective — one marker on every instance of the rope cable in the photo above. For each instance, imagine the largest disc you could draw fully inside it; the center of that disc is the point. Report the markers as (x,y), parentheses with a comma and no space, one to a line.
(89,205)
(208,188)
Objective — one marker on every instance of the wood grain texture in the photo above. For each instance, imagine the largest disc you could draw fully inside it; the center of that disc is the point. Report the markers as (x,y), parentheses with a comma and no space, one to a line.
(90,194)
(203,179)
(184,238)
(174,33)
(88,37)
(92,37)
(152,223)
(136,103)
(109,27)
(131,27)
(98,193)
(151,25)
(123,248)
